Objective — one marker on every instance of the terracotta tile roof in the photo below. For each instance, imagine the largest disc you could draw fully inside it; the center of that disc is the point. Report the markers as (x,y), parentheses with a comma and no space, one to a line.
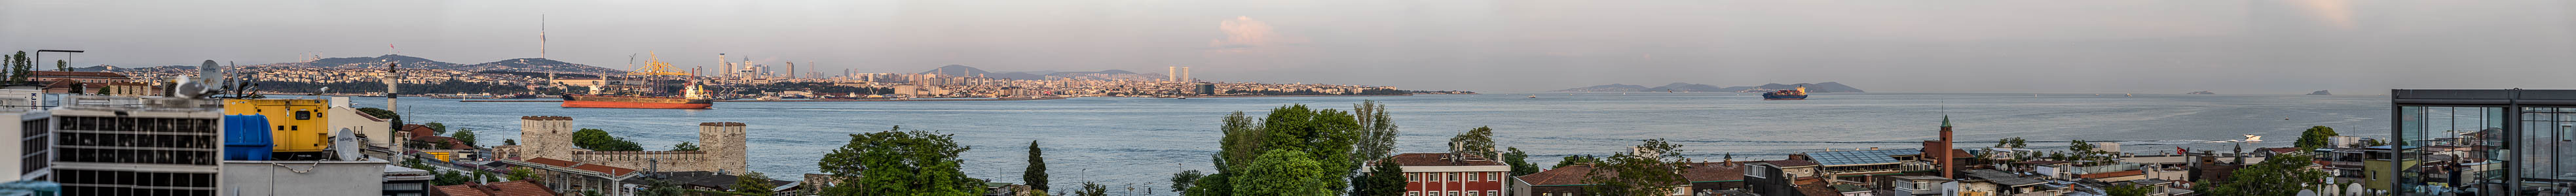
(519,188)
(1714,172)
(610,170)
(458,190)
(79,74)
(1790,163)
(1437,159)
(1815,186)
(1568,175)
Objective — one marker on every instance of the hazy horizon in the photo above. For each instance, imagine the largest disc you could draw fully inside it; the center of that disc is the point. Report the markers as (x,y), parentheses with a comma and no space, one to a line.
(2007,46)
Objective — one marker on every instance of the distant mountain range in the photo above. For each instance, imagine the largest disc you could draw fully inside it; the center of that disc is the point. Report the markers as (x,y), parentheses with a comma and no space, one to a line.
(1827,87)
(521,64)
(1030,75)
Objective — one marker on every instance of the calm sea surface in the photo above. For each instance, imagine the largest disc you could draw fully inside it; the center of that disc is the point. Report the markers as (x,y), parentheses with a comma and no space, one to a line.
(1141,141)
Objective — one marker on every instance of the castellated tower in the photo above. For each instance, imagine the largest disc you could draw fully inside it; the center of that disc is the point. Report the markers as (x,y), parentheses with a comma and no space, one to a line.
(546,136)
(724,144)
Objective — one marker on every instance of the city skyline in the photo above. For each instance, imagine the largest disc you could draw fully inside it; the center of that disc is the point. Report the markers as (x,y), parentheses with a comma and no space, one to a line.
(2144,47)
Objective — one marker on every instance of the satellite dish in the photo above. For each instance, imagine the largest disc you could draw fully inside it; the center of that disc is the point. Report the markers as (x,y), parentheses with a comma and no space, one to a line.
(191,88)
(346,145)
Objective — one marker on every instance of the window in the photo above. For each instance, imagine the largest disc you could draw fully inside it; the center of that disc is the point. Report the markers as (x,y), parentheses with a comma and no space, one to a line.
(1453,176)
(1489,176)
(1411,177)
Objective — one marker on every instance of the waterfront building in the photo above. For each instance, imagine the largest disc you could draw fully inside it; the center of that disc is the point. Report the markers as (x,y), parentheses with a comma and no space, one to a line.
(722,148)
(1449,174)
(2482,142)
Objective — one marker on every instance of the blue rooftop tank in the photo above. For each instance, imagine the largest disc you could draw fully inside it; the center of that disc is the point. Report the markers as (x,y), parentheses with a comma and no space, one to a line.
(246,138)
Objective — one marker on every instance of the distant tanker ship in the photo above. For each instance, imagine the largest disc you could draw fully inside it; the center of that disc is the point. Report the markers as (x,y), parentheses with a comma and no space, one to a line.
(1794,94)
(691,99)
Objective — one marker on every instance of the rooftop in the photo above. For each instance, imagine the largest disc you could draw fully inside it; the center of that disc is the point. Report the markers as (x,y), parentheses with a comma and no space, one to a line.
(1999,177)
(1439,159)
(1568,175)
(1860,157)
(611,171)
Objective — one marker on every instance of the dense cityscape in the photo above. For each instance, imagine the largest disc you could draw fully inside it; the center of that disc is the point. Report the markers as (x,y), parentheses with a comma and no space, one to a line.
(1288,98)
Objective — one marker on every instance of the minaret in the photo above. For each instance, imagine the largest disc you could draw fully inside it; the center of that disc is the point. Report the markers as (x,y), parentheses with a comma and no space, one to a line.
(1947,159)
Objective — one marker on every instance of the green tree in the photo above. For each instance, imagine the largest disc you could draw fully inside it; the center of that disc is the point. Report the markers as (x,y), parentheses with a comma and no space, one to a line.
(899,162)
(104,90)
(516,142)
(1478,141)
(2128,190)
(19,68)
(1036,175)
(752,183)
(2276,176)
(659,187)
(449,178)
(1376,134)
(1212,185)
(436,128)
(62,65)
(1243,140)
(1386,179)
(381,113)
(684,146)
(1650,170)
(522,174)
(1575,159)
(1519,161)
(1284,172)
(2316,137)
(599,140)
(468,136)
(1092,189)
(1181,182)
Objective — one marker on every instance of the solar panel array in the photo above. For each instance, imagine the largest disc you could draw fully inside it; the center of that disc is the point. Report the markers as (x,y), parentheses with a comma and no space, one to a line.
(1860,157)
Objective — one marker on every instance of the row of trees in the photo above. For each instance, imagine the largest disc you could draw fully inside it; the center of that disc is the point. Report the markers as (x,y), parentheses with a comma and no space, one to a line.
(22,68)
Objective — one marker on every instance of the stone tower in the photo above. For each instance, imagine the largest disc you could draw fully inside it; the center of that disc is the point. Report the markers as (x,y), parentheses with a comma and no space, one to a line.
(545,136)
(724,144)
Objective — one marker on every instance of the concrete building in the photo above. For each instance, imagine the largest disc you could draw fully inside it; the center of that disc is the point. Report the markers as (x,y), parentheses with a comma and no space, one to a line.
(379,132)
(1449,174)
(364,177)
(164,146)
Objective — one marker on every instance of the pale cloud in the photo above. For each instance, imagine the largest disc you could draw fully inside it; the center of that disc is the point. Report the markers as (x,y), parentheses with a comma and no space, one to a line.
(1243,32)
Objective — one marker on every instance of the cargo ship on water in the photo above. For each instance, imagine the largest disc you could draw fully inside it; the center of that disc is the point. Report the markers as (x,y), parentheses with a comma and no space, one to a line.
(1793,94)
(691,98)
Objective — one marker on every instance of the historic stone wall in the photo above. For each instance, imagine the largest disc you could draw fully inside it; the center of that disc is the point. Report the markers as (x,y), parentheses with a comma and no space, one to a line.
(720,148)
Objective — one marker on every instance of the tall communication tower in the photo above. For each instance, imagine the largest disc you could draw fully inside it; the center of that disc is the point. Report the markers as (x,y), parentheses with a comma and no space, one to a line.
(541,36)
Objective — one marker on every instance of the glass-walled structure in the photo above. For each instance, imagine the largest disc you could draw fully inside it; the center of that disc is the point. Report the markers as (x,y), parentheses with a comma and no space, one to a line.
(2481,142)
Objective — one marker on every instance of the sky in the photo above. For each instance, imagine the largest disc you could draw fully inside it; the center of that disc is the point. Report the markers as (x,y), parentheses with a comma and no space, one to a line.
(1999,46)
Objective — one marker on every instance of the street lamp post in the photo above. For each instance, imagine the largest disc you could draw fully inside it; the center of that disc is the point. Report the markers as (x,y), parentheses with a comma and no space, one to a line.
(40,55)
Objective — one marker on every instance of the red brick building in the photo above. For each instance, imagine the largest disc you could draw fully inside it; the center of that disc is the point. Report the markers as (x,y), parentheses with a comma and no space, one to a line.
(1441,174)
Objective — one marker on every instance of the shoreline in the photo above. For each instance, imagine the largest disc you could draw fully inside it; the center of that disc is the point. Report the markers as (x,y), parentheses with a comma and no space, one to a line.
(817,100)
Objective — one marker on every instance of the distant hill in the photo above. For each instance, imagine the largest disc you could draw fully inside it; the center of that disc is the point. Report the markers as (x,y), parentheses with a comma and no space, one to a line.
(2201,93)
(1827,87)
(1607,88)
(521,64)
(1688,87)
(2320,92)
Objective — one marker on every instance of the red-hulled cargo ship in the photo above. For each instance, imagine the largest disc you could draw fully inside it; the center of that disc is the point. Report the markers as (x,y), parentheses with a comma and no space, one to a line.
(640,102)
